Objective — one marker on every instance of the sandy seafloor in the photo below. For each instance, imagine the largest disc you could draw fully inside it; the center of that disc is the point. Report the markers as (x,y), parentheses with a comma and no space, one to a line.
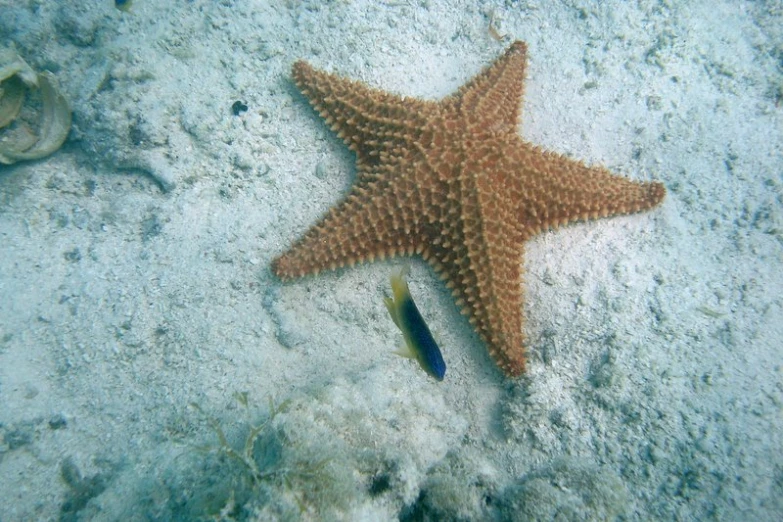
(139,318)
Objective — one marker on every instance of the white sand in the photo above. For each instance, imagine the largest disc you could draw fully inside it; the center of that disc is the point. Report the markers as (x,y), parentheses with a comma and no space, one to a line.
(134,273)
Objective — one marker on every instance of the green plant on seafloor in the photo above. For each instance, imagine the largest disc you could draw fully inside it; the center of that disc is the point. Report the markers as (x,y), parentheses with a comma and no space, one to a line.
(245,455)
(261,465)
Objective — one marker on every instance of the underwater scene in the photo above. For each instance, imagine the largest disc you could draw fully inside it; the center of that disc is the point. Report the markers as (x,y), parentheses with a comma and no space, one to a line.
(391,260)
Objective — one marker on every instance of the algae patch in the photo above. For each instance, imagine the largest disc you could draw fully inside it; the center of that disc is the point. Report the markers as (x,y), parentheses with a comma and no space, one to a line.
(271,473)
(34,117)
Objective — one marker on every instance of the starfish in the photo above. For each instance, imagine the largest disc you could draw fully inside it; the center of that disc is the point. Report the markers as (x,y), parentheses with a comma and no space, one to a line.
(453,182)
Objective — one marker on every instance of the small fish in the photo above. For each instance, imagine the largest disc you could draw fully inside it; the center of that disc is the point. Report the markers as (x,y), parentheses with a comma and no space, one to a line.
(123,5)
(419,343)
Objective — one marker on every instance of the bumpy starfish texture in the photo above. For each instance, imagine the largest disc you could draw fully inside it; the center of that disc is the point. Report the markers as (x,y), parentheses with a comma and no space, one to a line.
(453,182)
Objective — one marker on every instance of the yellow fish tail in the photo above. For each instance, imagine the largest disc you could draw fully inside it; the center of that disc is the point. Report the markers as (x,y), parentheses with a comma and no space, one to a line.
(399,284)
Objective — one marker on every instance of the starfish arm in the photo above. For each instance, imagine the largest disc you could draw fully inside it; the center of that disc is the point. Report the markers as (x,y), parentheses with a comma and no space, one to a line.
(554,190)
(492,100)
(486,281)
(371,122)
(371,223)
(492,299)
(498,307)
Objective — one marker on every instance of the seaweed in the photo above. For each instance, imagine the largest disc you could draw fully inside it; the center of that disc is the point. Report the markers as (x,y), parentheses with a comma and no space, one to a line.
(245,456)
(255,470)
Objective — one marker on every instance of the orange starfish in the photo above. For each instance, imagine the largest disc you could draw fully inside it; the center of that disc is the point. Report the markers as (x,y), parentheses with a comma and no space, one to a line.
(453,182)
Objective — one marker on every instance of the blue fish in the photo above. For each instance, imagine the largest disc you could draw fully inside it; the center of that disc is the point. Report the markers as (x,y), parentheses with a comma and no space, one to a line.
(419,343)
(123,5)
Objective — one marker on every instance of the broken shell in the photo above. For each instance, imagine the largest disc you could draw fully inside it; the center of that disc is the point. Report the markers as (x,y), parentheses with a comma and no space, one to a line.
(11,64)
(11,98)
(19,142)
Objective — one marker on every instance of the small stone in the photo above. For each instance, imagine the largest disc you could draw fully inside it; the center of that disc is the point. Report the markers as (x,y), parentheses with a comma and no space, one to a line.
(238,108)
(57,421)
